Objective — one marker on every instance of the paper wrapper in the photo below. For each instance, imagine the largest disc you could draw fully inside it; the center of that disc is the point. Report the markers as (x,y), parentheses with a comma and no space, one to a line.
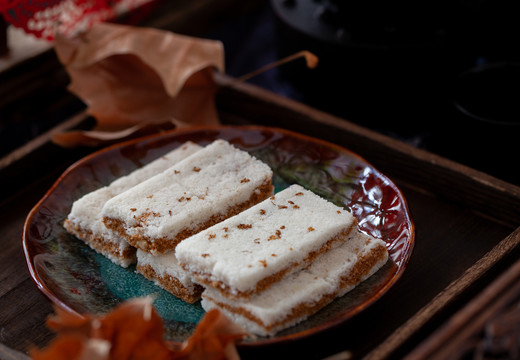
(136,80)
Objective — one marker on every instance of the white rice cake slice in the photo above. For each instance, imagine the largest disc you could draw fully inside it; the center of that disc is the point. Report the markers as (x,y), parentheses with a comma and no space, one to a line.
(251,251)
(85,220)
(303,293)
(207,187)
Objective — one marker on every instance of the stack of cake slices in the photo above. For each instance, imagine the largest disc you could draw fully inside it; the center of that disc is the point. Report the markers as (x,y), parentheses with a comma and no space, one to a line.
(85,220)
(149,215)
(204,223)
(280,261)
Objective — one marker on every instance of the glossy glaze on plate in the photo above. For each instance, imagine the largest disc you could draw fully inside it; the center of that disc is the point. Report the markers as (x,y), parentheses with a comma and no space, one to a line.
(72,275)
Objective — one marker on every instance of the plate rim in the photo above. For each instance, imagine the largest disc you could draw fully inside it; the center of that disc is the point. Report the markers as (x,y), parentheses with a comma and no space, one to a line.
(330,324)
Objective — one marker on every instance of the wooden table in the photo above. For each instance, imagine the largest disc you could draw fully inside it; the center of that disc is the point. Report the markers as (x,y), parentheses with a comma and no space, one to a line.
(467,237)
(463,273)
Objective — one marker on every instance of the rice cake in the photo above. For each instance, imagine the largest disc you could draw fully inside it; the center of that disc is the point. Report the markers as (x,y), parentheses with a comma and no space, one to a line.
(85,220)
(207,187)
(249,252)
(165,271)
(305,292)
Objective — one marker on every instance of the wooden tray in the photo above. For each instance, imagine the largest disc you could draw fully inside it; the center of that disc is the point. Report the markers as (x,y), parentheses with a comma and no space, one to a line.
(467,235)
(466,226)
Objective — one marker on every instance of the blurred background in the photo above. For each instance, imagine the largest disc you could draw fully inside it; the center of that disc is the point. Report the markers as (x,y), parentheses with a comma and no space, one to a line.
(443,76)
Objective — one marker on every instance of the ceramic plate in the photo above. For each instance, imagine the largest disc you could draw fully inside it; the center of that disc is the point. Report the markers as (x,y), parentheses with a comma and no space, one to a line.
(72,275)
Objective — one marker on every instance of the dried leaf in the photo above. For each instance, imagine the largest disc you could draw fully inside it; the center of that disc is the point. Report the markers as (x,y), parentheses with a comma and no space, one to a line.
(67,321)
(134,330)
(73,138)
(65,347)
(132,76)
(310,59)
(136,81)
(213,339)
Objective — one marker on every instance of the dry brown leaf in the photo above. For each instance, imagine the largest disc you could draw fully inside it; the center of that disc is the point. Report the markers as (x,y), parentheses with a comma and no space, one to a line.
(67,321)
(213,339)
(72,139)
(136,81)
(130,76)
(310,59)
(134,330)
(66,347)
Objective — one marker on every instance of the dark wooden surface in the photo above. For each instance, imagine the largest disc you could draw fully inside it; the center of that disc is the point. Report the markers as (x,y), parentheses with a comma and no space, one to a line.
(463,220)
(466,221)
(487,326)
(465,234)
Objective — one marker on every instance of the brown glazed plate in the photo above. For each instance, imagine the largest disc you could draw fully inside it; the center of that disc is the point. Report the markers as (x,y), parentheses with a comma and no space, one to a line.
(75,277)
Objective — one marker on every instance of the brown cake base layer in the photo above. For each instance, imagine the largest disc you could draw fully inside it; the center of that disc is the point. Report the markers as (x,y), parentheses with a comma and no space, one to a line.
(268,281)
(121,256)
(165,244)
(305,309)
(172,284)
